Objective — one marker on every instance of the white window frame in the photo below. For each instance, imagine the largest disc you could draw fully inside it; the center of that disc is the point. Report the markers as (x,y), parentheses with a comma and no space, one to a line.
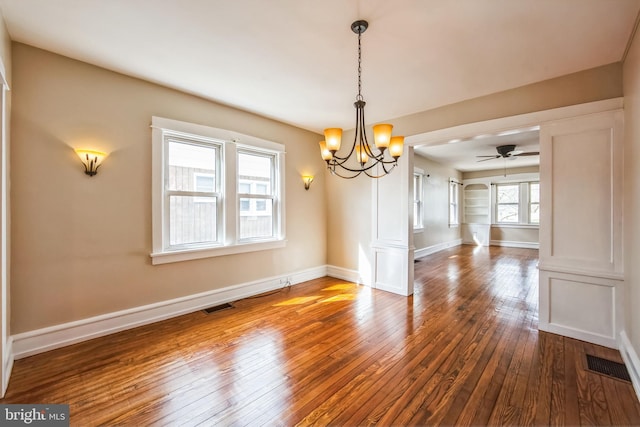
(418,202)
(454,202)
(230,143)
(524,205)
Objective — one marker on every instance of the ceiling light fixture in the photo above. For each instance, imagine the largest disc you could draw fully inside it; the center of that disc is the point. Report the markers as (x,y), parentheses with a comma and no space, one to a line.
(365,157)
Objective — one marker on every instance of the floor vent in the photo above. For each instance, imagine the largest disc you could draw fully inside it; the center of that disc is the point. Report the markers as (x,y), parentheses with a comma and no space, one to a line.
(220,307)
(608,367)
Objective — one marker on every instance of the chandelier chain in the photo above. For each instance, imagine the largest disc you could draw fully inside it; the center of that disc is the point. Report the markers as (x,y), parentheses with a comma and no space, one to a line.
(359,97)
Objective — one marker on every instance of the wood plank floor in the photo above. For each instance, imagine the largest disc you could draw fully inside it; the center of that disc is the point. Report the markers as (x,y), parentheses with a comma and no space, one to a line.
(463,350)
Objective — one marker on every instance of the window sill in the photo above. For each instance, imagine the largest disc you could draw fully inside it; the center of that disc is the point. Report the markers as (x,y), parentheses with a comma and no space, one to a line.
(454,225)
(418,229)
(199,253)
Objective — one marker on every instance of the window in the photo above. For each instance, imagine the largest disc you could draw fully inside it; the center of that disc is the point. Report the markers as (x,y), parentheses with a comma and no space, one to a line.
(214,193)
(517,203)
(453,203)
(256,194)
(418,176)
(508,203)
(534,203)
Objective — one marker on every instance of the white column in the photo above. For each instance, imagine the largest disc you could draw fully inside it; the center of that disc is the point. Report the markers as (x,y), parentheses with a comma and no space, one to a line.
(392,234)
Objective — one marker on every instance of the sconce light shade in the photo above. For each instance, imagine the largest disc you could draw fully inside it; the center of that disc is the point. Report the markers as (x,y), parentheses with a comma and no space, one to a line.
(307,179)
(91,160)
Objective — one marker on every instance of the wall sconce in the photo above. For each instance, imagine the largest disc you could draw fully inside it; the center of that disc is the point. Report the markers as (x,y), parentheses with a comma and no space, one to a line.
(91,160)
(307,179)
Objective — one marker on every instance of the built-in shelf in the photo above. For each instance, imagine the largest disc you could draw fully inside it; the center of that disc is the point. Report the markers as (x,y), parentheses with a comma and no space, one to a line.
(477,204)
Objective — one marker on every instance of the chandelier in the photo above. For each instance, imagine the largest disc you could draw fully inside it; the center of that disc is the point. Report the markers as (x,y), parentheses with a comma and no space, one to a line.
(366,157)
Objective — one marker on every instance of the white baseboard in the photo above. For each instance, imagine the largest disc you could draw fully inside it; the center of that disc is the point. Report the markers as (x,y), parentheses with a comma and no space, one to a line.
(512,244)
(7,366)
(578,334)
(344,274)
(45,339)
(419,253)
(631,361)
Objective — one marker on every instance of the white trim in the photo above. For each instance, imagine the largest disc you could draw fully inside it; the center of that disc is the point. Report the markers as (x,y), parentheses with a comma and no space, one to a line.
(7,364)
(546,266)
(631,360)
(512,122)
(513,244)
(579,334)
(345,274)
(189,254)
(419,253)
(45,339)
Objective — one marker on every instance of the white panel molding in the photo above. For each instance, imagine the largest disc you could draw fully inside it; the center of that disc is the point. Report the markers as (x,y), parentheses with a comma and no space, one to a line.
(557,268)
(419,253)
(590,302)
(631,361)
(392,250)
(393,270)
(512,244)
(49,338)
(561,243)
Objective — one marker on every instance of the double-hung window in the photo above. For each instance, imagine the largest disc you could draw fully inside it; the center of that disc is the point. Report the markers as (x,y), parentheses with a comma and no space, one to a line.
(517,203)
(508,203)
(256,194)
(454,197)
(214,192)
(418,203)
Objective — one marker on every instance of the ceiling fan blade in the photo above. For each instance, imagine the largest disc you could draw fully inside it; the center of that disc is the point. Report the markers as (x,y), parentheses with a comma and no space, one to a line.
(491,158)
(514,153)
(530,153)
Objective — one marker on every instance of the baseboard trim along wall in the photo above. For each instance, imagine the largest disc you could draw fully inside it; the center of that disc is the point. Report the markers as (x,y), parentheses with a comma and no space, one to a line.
(8,365)
(45,339)
(419,253)
(345,274)
(631,361)
(512,244)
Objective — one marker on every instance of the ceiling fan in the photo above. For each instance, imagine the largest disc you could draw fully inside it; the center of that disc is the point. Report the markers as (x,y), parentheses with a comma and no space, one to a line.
(509,152)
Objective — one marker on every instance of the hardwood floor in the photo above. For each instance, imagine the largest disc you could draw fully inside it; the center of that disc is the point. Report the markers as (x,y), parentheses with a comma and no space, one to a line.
(463,350)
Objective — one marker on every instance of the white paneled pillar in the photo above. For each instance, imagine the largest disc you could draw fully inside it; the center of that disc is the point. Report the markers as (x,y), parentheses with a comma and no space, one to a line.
(581,189)
(392,236)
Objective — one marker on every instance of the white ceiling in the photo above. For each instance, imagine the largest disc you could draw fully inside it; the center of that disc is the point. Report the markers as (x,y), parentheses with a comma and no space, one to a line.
(295,60)
(463,154)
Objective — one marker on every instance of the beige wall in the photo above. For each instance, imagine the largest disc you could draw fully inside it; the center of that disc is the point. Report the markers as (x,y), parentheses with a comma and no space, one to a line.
(436,204)
(81,245)
(515,234)
(632,190)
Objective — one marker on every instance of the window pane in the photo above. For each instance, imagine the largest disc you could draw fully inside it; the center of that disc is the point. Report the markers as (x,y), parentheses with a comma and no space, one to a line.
(508,193)
(256,222)
(534,213)
(534,192)
(507,213)
(256,170)
(185,161)
(191,220)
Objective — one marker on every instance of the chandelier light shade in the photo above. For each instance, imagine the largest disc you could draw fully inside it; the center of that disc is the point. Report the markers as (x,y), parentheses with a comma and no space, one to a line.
(361,156)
